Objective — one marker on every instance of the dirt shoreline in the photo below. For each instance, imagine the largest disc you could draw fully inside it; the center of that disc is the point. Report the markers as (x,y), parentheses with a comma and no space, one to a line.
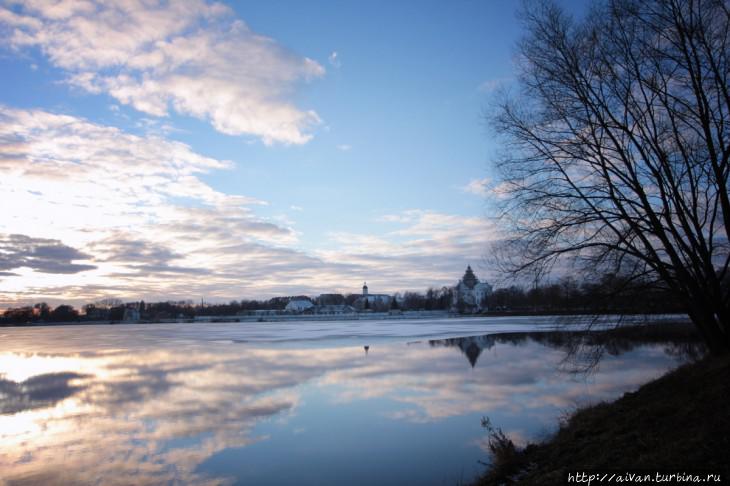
(680,421)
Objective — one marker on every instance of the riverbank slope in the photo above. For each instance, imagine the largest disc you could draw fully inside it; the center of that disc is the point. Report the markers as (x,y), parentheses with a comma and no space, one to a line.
(679,421)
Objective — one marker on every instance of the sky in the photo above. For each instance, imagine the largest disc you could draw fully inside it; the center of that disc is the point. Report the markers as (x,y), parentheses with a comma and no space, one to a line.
(166,150)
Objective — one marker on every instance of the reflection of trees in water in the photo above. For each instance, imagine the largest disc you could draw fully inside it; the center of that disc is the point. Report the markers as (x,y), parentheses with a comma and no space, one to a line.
(583,350)
(689,351)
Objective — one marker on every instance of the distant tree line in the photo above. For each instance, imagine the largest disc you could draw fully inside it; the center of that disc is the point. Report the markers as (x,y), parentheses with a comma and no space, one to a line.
(40,312)
(611,294)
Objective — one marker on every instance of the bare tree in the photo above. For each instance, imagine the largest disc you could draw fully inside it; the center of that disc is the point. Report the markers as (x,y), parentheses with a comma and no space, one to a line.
(616,151)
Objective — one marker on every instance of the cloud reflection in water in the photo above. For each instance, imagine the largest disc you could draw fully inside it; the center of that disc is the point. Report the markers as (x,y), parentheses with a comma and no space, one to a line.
(153,415)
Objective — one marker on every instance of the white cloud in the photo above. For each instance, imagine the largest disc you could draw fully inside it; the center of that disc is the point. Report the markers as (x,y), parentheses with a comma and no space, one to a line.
(491,85)
(100,190)
(479,187)
(131,218)
(403,217)
(334,59)
(344,147)
(192,57)
(430,249)
(487,188)
(431,223)
(501,190)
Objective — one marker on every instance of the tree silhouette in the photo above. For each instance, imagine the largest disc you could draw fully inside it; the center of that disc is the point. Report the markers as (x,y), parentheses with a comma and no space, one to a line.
(64,313)
(394,304)
(617,150)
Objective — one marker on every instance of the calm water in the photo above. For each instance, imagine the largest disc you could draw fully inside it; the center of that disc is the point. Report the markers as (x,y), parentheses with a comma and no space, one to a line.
(285,403)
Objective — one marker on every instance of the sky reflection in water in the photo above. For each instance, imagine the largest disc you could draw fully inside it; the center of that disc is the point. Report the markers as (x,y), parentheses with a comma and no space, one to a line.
(212,412)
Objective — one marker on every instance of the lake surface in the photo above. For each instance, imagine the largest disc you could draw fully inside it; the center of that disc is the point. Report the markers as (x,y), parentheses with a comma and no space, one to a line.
(288,403)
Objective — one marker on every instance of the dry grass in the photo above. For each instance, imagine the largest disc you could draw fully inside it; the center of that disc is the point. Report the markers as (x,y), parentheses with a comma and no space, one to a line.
(681,420)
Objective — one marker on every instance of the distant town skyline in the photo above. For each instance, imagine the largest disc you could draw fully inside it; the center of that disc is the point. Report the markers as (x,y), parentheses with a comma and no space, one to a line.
(179,150)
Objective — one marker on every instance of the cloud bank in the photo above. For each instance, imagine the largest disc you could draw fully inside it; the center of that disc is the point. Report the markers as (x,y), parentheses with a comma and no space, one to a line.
(42,255)
(92,212)
(191,57)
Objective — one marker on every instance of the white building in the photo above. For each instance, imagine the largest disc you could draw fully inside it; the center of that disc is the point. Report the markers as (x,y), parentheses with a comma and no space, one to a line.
(297,306)
(334,309)
(374,301)
(470,295)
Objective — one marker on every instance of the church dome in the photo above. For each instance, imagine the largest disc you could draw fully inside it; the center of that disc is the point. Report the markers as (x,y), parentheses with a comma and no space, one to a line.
(469,279)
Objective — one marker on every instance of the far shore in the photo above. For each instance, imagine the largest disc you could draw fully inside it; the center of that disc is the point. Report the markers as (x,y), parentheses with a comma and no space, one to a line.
(561,318)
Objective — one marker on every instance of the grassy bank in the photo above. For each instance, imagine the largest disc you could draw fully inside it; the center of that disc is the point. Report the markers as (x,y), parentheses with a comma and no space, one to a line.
(681,420)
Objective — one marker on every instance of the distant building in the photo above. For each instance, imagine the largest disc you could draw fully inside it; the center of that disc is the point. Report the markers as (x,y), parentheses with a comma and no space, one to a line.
(131,314)
(470,295)
(334,309)
(372,301)
(297,306)
(94,313)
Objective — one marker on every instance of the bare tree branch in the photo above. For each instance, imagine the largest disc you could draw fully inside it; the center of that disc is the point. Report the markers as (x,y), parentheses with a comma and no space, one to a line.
(618,149)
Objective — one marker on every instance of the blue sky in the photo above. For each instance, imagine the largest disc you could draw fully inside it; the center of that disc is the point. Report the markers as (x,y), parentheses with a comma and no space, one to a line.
(193,149)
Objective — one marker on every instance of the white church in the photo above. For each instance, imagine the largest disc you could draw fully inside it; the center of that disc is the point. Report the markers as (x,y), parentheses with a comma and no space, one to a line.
(470,295)
(372,301)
